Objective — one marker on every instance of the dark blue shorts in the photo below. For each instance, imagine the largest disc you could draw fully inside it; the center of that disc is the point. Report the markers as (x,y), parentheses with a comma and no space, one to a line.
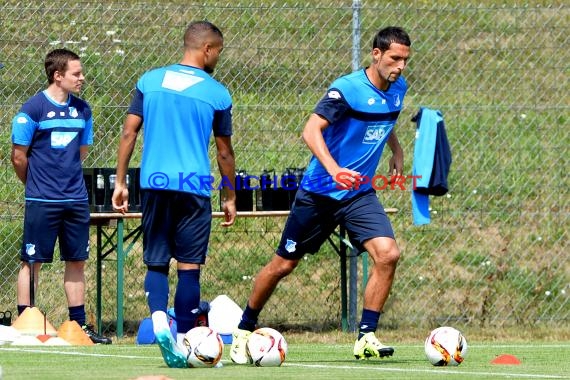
(46,221)
(175,225)
(314,217)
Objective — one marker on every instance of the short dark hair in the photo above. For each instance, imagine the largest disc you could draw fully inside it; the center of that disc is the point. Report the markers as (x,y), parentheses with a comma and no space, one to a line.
(198,31)
(56,60)
(389,35)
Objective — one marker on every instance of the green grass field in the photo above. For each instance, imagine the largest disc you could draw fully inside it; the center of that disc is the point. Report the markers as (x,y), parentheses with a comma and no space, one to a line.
(539,360)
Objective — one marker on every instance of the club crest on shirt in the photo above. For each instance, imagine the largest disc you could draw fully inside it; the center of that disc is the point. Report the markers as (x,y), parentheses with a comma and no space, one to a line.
(30,249)
(397,100)
(73,112)
(290,246)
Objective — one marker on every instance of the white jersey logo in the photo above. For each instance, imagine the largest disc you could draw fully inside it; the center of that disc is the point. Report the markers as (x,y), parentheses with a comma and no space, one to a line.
(334,94)
(374,133)
(177,81)
(60,140)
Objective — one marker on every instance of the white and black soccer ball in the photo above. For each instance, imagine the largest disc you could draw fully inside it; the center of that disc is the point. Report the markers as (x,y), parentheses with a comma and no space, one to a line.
(445,346)
(267,347)
(204,347)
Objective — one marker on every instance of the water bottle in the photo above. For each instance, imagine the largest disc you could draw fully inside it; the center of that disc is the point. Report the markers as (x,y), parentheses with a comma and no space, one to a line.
(266,190)
(99,192)
(281,193)
(244,192)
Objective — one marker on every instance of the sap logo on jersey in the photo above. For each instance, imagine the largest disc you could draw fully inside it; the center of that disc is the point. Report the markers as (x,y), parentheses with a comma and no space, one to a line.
(60,140)
(374,133)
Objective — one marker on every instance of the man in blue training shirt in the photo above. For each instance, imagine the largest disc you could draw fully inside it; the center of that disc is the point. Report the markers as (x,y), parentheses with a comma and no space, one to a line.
(180,105)
(346,134)
(50,135)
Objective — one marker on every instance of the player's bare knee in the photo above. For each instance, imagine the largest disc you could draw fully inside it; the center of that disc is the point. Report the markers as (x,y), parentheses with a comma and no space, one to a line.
(383,251)
(281,267)
(287,268)
(392,256)
(387,257)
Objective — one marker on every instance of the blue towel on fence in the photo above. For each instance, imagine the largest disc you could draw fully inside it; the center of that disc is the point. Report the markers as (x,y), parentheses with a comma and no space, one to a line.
(432,160)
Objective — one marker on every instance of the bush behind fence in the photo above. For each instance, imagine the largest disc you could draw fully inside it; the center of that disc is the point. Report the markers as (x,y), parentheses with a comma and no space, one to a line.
(496,252)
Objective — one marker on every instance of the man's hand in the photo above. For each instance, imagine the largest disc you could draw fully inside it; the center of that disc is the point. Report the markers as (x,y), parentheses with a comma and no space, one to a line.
(229,209)
(396,164)
(347,179)
(120,198)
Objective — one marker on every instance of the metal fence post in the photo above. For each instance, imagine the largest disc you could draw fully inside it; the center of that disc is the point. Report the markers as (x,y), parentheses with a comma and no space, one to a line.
(353,269)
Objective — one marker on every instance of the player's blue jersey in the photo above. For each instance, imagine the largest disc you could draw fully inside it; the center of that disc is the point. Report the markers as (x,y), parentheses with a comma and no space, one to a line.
(53,134)
(361,118)
(180,106)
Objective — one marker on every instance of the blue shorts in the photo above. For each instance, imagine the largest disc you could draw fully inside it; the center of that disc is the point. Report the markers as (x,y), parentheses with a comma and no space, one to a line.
(175,225)
(314,217)
(46,221)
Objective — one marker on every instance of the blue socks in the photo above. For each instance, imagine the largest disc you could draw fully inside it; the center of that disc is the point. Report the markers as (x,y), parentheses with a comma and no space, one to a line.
(368,322)
(248,319)
(77,314)
(156,288)
(186,299)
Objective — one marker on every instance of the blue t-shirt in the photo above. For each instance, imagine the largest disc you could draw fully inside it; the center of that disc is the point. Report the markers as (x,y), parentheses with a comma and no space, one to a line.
(180,106)
(53,134)
(361,118)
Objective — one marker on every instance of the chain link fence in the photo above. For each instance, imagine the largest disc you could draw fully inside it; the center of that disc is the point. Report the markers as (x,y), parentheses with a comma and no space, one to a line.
(496,252)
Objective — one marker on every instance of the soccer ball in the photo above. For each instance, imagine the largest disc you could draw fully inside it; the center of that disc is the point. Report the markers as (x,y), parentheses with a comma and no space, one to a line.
(204,347)
(445,346)
(267,347)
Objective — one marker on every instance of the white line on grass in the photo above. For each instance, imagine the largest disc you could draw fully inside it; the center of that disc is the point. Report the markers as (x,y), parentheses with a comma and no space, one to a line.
(521,345)
(447,371)
(517,345)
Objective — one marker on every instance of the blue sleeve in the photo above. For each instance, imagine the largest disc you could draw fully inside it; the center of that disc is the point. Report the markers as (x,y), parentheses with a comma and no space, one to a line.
(24,125)
(332,106)
(87,135)
(136,107)
(222,124)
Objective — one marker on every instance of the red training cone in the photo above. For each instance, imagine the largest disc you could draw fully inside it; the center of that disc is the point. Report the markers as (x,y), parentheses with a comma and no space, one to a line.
(506,359)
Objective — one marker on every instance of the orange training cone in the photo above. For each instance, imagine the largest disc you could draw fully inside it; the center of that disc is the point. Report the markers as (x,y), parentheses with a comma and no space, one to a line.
(506,359)
(33,322)
(72,333)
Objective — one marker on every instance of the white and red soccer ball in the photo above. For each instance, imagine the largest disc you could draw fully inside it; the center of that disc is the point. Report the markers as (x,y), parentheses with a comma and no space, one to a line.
(445,346)
(204,347)
(266,347)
